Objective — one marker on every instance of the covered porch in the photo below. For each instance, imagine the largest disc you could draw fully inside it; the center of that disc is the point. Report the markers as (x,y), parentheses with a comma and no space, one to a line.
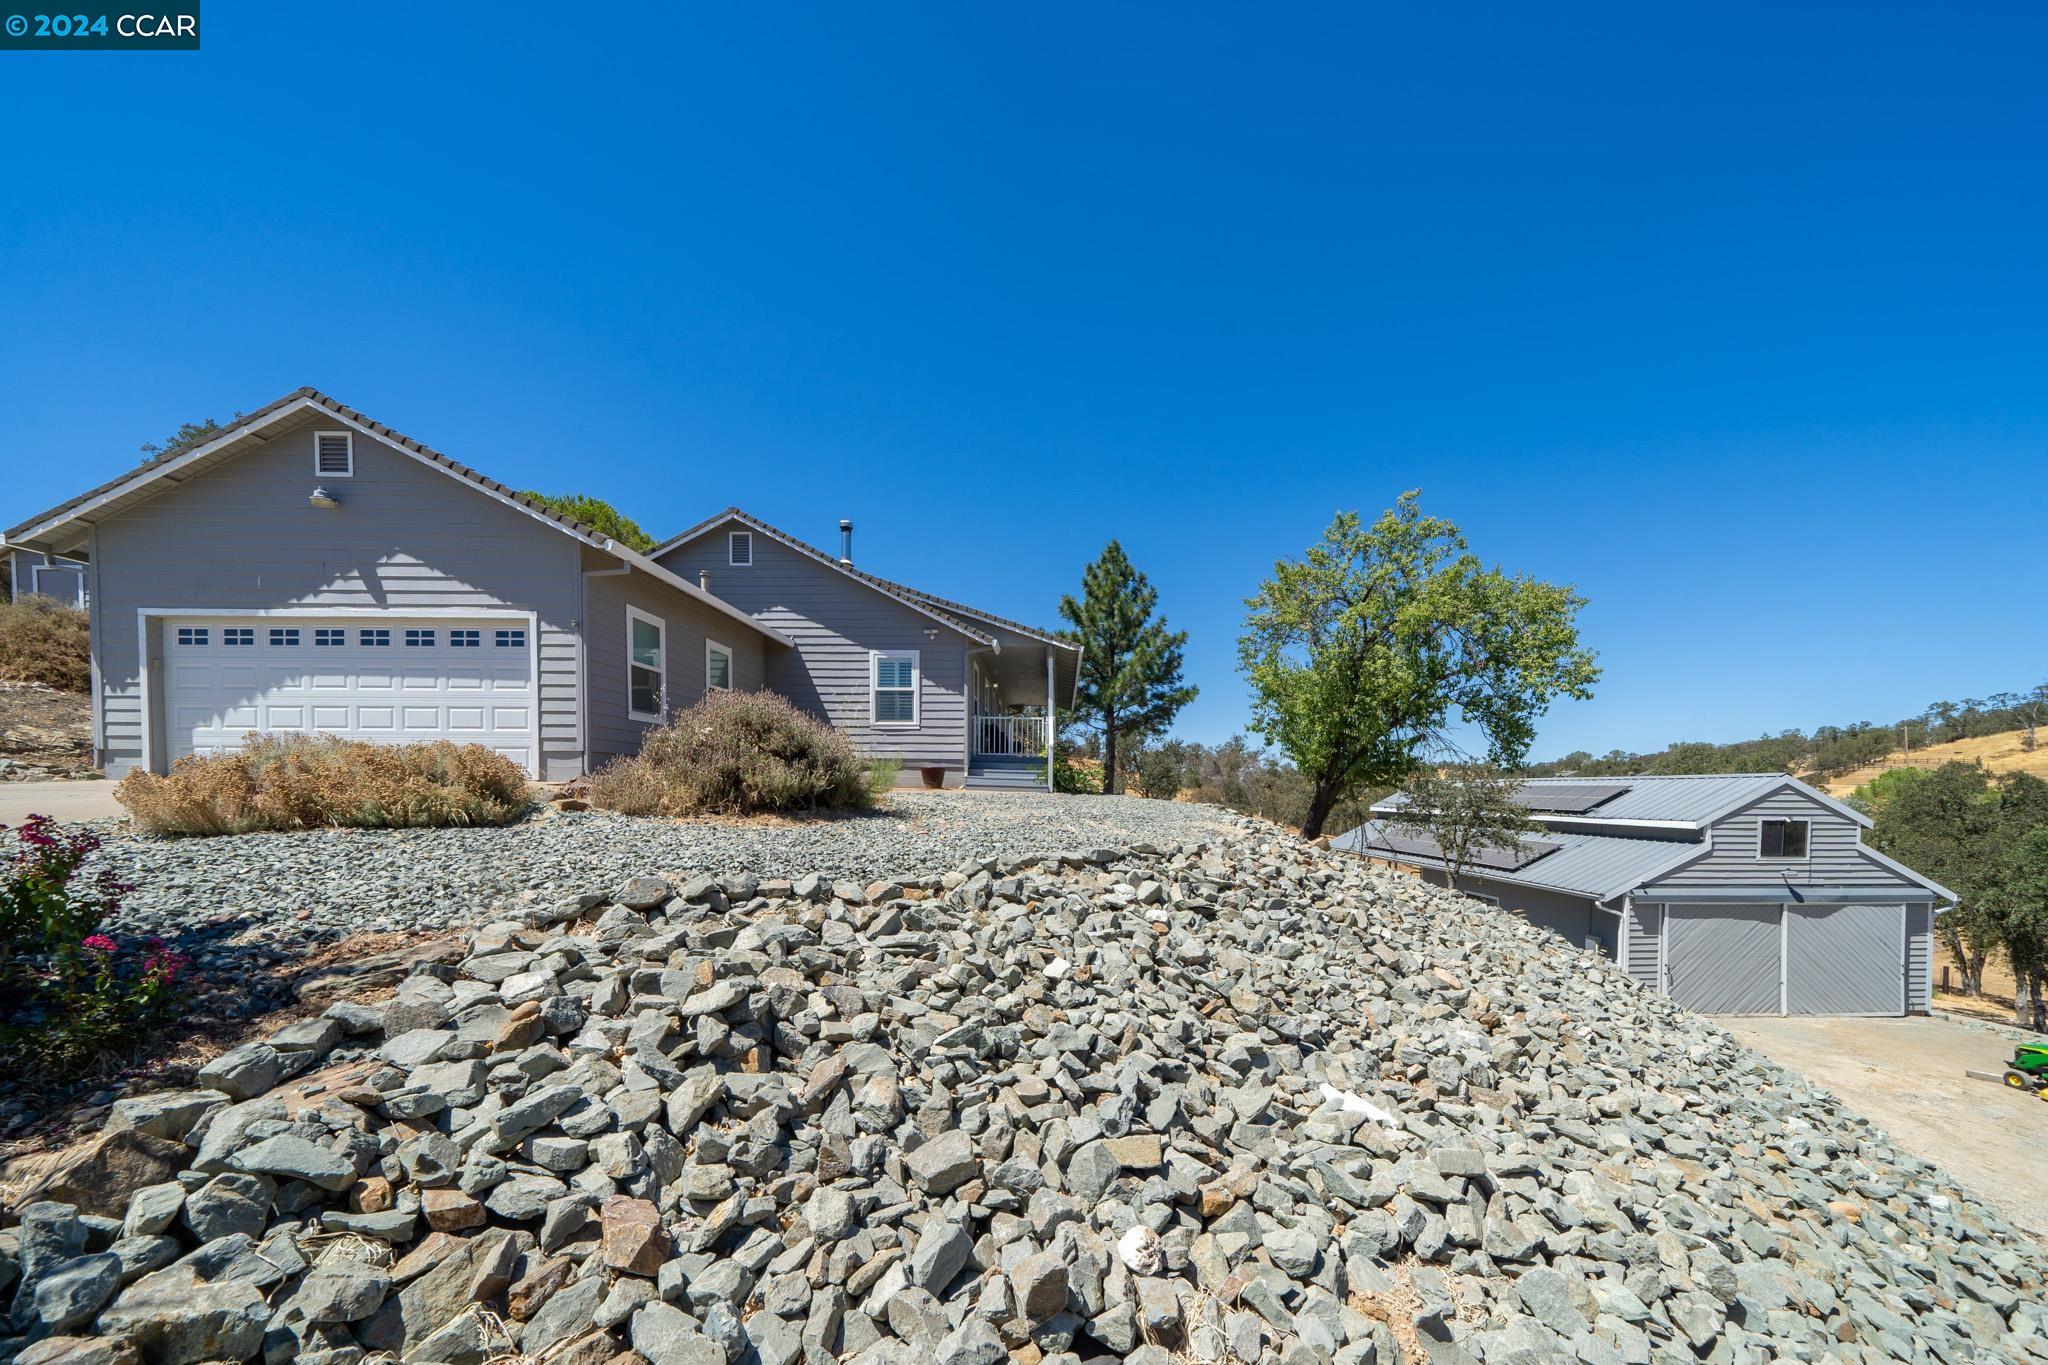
(1014,695)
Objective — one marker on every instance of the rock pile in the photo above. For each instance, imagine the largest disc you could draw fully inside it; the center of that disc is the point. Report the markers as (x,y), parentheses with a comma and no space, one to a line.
(1241,1101)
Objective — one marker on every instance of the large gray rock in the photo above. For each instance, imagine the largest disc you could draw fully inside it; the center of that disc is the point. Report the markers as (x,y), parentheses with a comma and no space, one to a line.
(177,1319)
(244,1072)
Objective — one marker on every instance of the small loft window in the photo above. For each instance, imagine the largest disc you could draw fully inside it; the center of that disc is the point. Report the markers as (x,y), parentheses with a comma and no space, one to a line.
(284,637)
(334,454)
(1781,839)
(739,549)
(465,639)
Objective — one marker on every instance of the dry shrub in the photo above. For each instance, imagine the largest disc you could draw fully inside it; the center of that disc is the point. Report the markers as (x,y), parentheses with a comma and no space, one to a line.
(311,782)
(45,641)
(738,753)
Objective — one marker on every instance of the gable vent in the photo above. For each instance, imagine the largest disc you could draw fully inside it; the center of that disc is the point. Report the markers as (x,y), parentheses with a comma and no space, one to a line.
(740,548)
(334,454)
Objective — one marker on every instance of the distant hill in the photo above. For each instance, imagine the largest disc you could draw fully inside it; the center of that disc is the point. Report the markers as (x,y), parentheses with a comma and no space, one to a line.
(1832,754)
(2001,753)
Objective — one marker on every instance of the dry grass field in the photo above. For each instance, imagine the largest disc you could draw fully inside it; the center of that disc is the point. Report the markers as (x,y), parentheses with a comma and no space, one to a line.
(2000,753)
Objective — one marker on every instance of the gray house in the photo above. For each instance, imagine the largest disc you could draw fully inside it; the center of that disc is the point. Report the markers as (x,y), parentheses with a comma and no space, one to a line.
(1735,894)
(948,690)
(308,569)
(34,573)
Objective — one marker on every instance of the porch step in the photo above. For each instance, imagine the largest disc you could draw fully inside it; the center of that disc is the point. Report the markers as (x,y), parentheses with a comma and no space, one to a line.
(1007,778)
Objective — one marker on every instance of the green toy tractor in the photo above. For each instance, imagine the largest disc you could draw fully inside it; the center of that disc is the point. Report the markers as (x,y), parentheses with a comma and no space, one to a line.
(2028,1069)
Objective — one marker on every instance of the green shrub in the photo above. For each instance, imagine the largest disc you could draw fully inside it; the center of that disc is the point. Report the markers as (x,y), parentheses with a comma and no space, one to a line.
(44,641)
(738,753)
(1159,772)
(70,995)
(310,782)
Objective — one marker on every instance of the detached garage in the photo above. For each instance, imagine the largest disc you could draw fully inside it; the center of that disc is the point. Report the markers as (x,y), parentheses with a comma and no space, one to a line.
(1733,893)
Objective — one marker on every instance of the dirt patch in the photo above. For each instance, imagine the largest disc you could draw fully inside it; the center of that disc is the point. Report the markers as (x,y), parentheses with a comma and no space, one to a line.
(43,732)
(359,967)
(1906,1075)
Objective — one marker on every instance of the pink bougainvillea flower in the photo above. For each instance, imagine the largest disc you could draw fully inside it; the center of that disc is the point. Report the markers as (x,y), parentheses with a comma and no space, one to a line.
(100,943)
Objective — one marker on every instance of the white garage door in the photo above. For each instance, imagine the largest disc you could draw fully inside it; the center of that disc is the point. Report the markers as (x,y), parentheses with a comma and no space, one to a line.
(392,680)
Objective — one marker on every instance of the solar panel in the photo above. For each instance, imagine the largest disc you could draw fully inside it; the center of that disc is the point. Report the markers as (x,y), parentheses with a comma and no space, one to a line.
(1567,798)
(1495,857)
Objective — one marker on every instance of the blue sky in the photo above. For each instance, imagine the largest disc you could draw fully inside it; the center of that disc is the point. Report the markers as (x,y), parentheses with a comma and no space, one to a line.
(1733,317)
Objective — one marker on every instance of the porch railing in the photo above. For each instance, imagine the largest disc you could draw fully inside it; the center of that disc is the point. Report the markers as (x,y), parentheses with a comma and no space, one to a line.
(1010,736)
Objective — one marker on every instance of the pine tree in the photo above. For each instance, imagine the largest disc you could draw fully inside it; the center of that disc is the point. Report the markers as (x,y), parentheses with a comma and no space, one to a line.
(1130,679)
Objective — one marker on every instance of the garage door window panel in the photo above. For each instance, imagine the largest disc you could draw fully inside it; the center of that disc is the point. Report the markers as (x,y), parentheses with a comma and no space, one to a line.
(646,665)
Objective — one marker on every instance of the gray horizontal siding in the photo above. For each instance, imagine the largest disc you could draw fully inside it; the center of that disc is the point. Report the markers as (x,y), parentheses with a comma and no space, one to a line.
(406,536)
(1835,853)
(1645,959)
(1919,958)
(836,621)
(686,624)
(1571,918)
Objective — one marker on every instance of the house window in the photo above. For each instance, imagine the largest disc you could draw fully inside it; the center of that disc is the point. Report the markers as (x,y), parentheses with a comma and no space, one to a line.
(374,638)
(334,454)
(1493,901)
(1781,839)
(284,637)
(511,639)
(892,687)
(238,635)
(466,639)
(646,665)
(415,638)
(739,549)
(191,635)
(329,636)
(717,667)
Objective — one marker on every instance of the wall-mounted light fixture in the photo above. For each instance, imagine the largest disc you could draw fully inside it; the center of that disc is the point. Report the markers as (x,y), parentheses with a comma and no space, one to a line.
(320,497)
(931,632)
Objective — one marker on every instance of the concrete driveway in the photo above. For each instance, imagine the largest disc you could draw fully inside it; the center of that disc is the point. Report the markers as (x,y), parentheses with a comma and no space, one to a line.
(1906,1075)
(84,800)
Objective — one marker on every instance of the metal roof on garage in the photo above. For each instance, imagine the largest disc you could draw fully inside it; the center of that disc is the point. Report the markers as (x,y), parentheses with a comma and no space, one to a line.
(1592,865)
(1691,799)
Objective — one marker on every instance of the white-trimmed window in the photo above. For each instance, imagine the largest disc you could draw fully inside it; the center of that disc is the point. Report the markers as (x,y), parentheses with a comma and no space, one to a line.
(329,636)
(191,635)
(739,549)
(334,454)
(284,637)
(1782,839)
(892,687)
(1493,901)
(511,639)
(466,639)
(717,667)
(419,638)
(375,638)
(238,635)
(646,665)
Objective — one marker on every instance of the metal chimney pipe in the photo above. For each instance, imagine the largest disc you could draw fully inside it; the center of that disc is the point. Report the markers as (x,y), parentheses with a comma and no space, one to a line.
(704,579)
(846,542)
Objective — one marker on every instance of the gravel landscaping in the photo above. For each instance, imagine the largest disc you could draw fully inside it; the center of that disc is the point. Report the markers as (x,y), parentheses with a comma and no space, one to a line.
(257,900)
(1235,1101)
